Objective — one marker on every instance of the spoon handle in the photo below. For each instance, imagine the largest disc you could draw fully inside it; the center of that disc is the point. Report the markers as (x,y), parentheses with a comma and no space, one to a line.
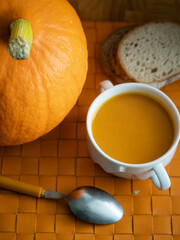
(21,187)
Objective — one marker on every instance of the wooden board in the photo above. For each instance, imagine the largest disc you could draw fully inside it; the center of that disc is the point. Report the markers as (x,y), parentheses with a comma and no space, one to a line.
(127,10)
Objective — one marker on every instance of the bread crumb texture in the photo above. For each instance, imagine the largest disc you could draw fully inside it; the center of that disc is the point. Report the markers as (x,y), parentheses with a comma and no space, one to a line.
(151,52)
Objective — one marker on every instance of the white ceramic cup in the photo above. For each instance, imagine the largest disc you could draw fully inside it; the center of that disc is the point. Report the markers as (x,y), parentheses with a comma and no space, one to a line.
(155,169)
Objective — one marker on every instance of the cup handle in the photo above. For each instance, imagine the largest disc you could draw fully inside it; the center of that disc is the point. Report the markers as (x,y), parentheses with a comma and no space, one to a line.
(104,85)
(160,177)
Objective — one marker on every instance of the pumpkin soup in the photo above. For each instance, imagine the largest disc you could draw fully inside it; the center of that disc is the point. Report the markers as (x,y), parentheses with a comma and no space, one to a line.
(133,128)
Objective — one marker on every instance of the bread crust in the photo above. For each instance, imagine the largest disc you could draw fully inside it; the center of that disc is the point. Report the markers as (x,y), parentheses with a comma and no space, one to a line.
(114,47)
(128,77)
(105,57)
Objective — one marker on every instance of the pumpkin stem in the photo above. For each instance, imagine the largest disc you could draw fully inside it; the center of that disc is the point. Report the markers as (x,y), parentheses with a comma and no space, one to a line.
(21,39)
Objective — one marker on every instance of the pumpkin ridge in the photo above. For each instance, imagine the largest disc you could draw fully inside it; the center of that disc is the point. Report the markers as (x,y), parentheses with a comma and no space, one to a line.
(58,54)
(44,84)
(41,92)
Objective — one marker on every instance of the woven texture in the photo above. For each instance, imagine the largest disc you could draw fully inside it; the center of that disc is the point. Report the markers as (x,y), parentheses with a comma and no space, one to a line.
(60,161)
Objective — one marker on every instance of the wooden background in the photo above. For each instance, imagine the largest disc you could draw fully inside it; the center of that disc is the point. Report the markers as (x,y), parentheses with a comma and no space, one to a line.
(127,10)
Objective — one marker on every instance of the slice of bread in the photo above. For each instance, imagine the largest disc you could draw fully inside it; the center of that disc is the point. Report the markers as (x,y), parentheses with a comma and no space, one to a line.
(150,54)
(105,57)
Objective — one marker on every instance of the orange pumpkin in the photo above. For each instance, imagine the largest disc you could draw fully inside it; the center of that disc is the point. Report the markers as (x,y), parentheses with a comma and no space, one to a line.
(36,93)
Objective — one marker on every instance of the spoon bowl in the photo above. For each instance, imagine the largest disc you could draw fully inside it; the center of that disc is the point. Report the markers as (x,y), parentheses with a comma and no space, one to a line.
(94,205)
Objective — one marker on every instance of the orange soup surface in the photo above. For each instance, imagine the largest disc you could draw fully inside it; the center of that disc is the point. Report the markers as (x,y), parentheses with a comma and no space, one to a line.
(133,128)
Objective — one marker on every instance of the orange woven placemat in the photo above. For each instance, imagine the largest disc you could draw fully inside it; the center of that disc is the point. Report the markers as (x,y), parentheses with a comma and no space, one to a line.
(60,161)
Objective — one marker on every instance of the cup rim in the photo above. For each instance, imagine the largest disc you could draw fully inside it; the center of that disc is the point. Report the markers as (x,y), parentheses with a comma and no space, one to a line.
(158,160)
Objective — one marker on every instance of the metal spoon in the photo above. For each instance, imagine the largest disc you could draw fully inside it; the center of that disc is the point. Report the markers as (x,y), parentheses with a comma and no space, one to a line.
(87,203)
